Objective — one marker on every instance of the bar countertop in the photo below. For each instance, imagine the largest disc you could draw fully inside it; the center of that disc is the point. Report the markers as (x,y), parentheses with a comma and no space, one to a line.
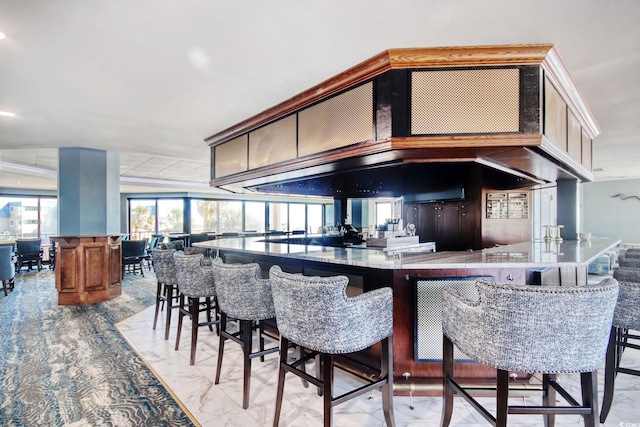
(535,254)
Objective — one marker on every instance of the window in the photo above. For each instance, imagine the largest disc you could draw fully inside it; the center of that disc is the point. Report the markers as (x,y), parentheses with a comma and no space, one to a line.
(230,219)
(383,212)
(28,217)
(204,216)
(142,218)
(278,217)
(170,216)
(297,217)
(254,216)
(314,218)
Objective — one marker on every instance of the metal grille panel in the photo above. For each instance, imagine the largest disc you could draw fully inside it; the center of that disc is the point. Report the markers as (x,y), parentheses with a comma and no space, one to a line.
(343,120)
(428,322)
(273,143)
(465,101)
(231,157)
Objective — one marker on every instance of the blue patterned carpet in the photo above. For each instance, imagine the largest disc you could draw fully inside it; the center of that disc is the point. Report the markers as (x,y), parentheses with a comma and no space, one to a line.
(69,366)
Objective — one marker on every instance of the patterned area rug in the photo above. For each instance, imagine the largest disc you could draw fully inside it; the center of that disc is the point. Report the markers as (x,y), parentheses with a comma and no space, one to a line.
(69,366)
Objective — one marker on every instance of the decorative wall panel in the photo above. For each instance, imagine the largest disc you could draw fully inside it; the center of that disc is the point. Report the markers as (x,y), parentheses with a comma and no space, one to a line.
(586,151)
(273,143)
(428,320)
(574,137)
(555,116)
(231,157)
(465,101)
(343,120)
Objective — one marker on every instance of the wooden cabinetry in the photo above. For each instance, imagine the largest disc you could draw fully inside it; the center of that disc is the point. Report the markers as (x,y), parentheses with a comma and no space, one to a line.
(88,268)
(452,225)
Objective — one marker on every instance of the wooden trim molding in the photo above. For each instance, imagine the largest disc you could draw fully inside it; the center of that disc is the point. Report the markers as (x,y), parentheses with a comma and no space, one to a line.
(402,58)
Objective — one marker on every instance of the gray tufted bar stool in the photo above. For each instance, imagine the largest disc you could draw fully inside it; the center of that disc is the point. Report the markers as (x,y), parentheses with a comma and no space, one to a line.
(533,329)
(197,295)
(244,296)
(315,313)
(625,319)
(167,290)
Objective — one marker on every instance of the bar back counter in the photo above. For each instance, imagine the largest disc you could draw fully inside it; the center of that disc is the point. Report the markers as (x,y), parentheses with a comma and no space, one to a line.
(417,275)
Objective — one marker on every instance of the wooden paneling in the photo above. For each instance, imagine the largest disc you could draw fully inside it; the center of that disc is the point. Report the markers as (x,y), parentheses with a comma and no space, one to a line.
(574,138)
(87,268)
(587,151)
(555,116)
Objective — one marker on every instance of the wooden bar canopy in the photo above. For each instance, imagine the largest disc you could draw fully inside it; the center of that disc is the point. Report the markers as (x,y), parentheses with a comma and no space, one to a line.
(513,108)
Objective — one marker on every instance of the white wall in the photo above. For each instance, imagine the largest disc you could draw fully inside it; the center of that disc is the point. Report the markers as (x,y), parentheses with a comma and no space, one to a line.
(609,216)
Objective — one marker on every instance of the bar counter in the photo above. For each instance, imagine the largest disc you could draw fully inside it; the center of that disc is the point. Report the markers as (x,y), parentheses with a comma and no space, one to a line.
(417,278)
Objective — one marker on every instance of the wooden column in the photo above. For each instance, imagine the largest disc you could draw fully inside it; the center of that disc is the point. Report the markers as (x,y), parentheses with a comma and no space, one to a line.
(88,268)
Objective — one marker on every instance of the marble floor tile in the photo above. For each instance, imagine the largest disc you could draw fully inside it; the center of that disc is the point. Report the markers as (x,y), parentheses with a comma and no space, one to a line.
(221,405)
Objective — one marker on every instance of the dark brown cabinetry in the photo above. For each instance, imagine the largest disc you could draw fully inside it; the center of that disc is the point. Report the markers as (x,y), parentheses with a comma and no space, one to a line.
(452,225)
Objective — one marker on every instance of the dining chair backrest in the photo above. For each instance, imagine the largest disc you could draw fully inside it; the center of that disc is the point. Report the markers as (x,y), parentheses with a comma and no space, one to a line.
(133,248)
(28,246)
(6,269)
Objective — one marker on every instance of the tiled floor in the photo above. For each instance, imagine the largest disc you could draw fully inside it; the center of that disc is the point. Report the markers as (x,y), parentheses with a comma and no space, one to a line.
(221,405)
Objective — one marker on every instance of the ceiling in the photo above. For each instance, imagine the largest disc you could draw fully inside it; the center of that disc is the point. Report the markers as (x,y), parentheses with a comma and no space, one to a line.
(151,79)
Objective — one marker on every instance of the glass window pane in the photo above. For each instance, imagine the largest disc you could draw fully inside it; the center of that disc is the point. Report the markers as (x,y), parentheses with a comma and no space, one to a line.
(254,216)
(230,217)
(278,217)
(142,218)
(48,218)
(17,216)
(170,216)
(328,215)
(204,216)
(314,218)
(296,217)
(383,212)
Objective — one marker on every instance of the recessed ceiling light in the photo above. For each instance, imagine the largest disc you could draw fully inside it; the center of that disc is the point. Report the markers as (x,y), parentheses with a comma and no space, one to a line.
(7,114)
(2,35)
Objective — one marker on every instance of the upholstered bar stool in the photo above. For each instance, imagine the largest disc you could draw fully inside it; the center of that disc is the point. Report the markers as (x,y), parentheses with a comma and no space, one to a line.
(7,272)
(316,313)
(246,297)
(625,319)
(533,329)
(629,262)
(167,290)
(197,295)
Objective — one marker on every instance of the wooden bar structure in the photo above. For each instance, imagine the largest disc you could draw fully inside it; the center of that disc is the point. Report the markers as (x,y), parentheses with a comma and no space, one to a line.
(88,268)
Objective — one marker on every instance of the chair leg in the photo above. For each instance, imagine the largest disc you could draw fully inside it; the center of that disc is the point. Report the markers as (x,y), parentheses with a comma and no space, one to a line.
(223,330)
(386,370)
(447,391)
(609,374)
(327,383)
(548,398)
(247,332)
(169,291)
(180,316)
(142,267)
(589,382)
(4,285)
(284,347)
(158,301)
(502,396)
(194,305)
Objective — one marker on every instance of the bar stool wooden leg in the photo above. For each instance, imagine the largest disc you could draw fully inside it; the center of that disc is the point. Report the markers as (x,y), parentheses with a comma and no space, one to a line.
(447,391)
(502,398)
(159,300)
(246,326)
(180,317)
(589,384)
(609,374)
(194,304)
(386,370)
(548,398)
(327,382)
(223,338)
(284,346)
